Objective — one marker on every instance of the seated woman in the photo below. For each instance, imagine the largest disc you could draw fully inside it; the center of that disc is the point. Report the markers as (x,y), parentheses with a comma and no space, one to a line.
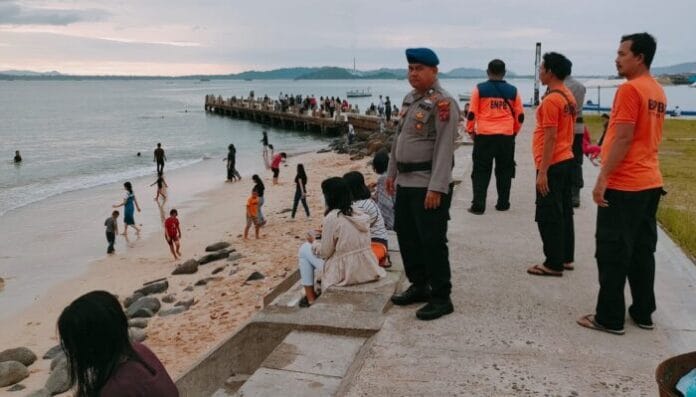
(345,243)
(363,201)
(102,360)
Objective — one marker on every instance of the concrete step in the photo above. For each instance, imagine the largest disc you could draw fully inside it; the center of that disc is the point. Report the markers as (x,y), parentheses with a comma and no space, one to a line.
(304,364)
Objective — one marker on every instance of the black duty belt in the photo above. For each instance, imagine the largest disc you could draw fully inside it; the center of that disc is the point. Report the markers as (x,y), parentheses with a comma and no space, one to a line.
(412,167)
(579,120)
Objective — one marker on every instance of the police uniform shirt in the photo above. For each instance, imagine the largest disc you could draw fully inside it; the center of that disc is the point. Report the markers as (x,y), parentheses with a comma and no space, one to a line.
(578,90)
(426,133)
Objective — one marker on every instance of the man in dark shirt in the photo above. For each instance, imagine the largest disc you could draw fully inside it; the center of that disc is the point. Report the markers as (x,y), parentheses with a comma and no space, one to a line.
(160,158)
(17,157)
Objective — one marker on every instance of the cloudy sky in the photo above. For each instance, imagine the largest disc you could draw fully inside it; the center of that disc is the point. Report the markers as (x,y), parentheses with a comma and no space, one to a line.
(175,37)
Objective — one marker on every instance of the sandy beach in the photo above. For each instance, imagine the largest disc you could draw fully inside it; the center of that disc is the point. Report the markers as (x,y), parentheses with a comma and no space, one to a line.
(221,306)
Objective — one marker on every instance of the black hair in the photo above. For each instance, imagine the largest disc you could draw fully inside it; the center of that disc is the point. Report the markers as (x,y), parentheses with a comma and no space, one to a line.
(173,212)
(93,333)
(283,155)
(159,144)
(231,147)
(558,64)
(301,172)
(496,67)
(270,146)
(129,187)
(356,184)
(380,162)
(337,196)
(642,44)
(115,213)
(257,179)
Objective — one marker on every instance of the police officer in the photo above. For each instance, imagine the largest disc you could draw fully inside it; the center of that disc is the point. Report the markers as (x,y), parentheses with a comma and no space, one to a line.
(578,90)
(420,172)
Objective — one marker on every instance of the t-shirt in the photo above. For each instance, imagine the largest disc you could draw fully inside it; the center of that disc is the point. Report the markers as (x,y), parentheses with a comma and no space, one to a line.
(555,111)
(171,225)
(377,228)
(641,102)
(259,188)
(133,379)
(110,224)
(276,161)
(159,154)
(252,206)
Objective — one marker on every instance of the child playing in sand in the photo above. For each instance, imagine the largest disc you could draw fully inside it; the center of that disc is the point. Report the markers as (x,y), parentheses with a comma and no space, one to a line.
(161,187)
(275,165)
(111,231)
(252,214)
(172,233)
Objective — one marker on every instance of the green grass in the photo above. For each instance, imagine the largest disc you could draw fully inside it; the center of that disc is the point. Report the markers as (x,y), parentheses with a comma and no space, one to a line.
(677,212)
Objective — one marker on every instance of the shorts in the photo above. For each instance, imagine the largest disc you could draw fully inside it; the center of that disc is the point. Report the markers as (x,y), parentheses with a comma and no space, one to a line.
(276,171)
(253,220)
(172,239)
(380,251)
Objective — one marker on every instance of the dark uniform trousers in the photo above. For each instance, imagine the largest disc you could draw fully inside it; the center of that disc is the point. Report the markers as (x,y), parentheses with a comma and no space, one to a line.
(554,216)
(626,239)
(578,181)
(422,236)
(487,148)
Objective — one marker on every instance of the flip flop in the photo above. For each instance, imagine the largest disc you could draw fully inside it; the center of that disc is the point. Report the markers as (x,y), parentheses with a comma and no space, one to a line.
(588,321)
(304,302)
(537,270)
(568,266)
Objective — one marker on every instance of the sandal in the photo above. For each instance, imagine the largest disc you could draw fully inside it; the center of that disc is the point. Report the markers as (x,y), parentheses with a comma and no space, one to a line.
(538,270)
(304,302)
(588,321)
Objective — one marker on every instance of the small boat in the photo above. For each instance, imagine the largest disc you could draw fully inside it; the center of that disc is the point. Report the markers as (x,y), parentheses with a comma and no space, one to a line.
(465,97)
(359,93)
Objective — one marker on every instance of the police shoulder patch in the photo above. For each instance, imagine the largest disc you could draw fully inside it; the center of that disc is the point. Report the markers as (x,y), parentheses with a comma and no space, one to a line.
(443,110)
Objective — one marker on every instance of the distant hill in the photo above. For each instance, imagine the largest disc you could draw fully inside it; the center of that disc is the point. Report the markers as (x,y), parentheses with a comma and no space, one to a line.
(328,73)
(682,68)
(28,73)
(463,73)
(276,74)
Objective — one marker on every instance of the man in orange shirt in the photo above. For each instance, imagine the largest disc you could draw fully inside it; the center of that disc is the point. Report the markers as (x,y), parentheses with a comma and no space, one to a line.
(494,118)
(628,191)
(553,156)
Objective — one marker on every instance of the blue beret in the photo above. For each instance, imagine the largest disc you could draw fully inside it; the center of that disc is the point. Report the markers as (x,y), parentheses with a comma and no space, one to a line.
(424,56)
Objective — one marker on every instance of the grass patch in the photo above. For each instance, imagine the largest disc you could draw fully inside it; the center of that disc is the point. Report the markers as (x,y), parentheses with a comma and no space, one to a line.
(677,212)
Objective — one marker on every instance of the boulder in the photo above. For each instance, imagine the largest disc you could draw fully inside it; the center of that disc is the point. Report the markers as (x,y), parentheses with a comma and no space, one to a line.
(57,359)
(142,305)
(185,303)
(17,387)
(20,354)
(129,300)
(206,280)
(154,288)
(374,146)
(189,288)
(188,267)
(217,246)
(142,313)
(235,257)
(172,311)
(52,352)
(137,334)
(255,276)
(219,269)
(12,372)
(169,298)
(39,393)
(58,380)
(215,256)
(138,322)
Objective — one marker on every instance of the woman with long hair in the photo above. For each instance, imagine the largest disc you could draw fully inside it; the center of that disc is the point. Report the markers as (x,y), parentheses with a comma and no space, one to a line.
(300,191)
(102,360)
(129,204)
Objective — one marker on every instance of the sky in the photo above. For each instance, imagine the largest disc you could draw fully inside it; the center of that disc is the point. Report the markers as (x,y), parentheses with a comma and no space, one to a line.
(175,37)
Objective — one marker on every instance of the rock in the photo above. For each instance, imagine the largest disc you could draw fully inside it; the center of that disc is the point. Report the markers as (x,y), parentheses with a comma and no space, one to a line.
(154,288)
(323,150)
(219,269)
(17,387)
(188,267)
(129,300)
(58,381)
(172,311)
(57,359)
(169,298)
(255,276)
(235,257)
(137,334)
(20,354)
(142,312)
(217,246)
(189,288)
(147,303)
(39,393)
(234,271)
(357,157)
(206,280)
(374,146)
(12,372)
(52,352)
(286,210)
(185,303)
(138,322)
(214,257)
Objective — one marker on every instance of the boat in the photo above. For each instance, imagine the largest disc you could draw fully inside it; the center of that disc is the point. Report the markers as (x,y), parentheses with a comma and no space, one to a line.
(465,97)
(359,93)
(693,85)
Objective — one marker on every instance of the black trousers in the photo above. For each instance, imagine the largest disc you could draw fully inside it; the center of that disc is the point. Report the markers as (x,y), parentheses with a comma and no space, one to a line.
(111,239)
(578,181)
(160,166)
(554,217)
(488,148)
(296,200)
(626,239)
(422,236)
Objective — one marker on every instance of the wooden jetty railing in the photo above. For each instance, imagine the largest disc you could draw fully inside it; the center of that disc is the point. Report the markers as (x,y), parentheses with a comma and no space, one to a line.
(267,112)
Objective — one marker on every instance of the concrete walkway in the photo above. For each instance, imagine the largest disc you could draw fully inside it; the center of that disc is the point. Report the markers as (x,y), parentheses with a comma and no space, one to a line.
(513,334)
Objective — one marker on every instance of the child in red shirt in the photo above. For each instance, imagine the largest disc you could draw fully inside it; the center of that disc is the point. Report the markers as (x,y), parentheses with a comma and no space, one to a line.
(172,233)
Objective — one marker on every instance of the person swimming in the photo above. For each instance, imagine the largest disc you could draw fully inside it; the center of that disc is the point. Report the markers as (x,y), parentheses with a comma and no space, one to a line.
(17,157)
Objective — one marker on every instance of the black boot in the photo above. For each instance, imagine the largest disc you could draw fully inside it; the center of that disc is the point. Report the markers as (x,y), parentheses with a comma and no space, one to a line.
(413,294)
(435,309)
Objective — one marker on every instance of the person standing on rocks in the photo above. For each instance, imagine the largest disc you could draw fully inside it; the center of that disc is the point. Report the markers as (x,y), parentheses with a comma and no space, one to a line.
(159,158)
(420,174)
(102,360)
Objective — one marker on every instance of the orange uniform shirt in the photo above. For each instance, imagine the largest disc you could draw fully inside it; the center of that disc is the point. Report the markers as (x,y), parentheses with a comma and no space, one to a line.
(555,111)
(252,206)
(640,102)
(491,115)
